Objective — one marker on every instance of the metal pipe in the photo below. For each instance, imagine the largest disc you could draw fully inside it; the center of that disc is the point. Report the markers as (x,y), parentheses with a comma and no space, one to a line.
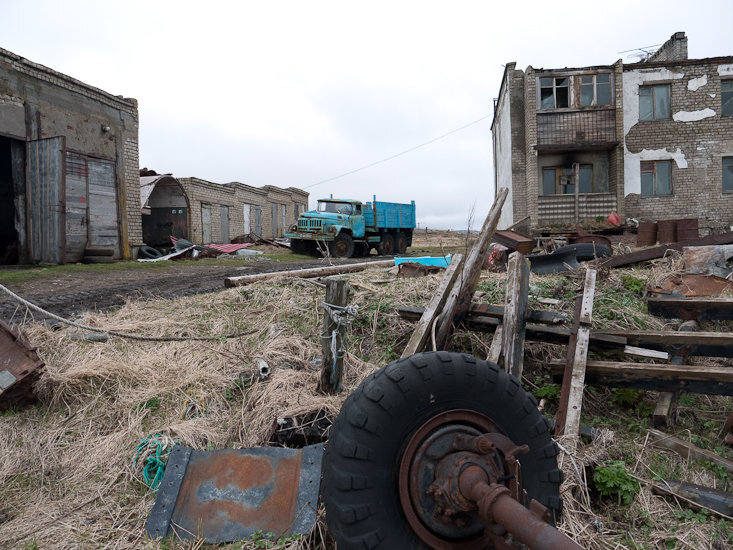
(496,506)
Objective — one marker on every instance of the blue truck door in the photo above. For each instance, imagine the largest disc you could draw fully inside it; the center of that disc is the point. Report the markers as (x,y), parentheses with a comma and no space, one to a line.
(357,222)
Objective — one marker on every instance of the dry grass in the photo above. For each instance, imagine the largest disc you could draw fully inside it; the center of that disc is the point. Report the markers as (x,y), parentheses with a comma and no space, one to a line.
(66,465)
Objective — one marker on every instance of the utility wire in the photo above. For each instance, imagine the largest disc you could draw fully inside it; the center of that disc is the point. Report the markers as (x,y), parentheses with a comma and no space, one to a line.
(410,150)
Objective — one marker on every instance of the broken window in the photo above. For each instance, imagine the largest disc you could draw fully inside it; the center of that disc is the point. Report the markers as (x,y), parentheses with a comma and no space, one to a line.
(595,90)
(654,102)
(554,93)
(726,97)
(656,178)
(559,181)
(728,174)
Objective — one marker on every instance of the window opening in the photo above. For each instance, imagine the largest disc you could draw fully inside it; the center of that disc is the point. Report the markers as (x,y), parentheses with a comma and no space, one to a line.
(656,178)
(654,102)
(726,97)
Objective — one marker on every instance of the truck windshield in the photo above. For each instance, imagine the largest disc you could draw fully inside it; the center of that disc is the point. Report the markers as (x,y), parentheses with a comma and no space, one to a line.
(335,207)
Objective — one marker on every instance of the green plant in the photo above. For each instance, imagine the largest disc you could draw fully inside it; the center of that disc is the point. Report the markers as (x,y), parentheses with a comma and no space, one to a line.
(627,397)
(550,391)
(632,283)
(612,480)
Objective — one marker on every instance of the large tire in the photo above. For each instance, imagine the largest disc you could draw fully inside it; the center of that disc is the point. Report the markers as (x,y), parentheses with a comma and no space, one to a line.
(587,251)
(148,252)
(342,246)
(362,462)
(400,242)
(386,245)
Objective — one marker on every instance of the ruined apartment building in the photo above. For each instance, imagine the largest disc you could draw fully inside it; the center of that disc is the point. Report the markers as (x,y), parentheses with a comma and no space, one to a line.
(650,140)
(68,167)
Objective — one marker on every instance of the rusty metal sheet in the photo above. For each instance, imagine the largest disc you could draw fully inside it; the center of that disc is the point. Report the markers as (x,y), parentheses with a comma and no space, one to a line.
(515,241)
(690,284)
(20,367)
(412,269)
(229,495)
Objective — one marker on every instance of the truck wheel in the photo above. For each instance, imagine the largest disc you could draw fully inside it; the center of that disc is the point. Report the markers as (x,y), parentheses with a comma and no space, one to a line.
(400,242)
(377,460)
(386,245)
(342,246)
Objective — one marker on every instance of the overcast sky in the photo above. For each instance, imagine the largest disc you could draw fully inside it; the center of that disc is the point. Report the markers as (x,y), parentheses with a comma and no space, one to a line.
(291,93)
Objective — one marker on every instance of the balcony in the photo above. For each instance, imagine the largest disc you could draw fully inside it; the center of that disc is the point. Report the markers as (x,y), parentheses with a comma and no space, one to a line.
(576,129)
(560,209)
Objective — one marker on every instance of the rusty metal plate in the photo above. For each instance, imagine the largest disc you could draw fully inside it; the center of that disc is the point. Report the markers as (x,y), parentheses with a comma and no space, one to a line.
(691,284)
(229,495)
(20,367)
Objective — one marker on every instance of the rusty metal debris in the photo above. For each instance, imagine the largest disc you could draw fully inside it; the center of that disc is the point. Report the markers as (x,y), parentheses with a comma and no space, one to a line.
(689,284)
(412,269)
(230,495)
(20,367)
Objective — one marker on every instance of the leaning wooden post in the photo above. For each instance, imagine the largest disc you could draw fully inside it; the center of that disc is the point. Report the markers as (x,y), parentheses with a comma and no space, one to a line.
(515,313)
(333,337)
(573,382)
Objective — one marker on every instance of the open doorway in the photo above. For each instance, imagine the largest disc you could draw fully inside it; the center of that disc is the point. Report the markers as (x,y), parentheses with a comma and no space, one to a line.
(12,199)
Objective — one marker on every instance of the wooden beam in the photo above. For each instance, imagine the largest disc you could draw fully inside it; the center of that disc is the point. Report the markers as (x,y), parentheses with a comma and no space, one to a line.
(660,377)
(702,309)
(648,353)
(422,329)
(571,394)
(533,315)
(515,312)
(230,282)
(459,300)
(659,251)
(664,410)
(667,337)
(687,450)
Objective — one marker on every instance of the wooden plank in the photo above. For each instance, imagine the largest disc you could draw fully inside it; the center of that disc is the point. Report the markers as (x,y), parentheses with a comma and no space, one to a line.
(687,450)
(697,497)
(422,329)
(659,251)
(459,299)
(495,349)
(702,309)
(515,311)
(305,273)
(664,409)
(533,315)
(571,396)
(648,353)
(333,337)
(653,376)
(667,337)
(537,333)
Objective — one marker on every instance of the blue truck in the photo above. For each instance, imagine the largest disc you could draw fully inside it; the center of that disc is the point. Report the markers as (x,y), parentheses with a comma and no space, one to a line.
(347,228)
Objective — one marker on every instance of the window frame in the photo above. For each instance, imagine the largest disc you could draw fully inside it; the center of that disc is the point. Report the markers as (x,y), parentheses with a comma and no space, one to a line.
(594,83)
(563,172)
(653,87)
(729,161)
(555,87)
(729,93)
(655,184)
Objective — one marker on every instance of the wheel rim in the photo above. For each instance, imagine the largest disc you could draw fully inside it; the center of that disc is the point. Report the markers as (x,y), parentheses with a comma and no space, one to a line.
(340,249)
(417,470)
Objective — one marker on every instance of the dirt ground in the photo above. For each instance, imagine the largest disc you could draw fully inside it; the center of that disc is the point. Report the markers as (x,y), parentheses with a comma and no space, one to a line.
(68,292)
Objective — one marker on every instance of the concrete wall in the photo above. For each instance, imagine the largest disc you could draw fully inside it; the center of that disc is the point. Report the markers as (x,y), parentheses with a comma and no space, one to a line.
(696,137)
(37,102)
(501,130)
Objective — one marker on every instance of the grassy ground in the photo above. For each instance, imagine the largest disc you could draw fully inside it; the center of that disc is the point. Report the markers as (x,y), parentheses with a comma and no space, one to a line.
(67,473)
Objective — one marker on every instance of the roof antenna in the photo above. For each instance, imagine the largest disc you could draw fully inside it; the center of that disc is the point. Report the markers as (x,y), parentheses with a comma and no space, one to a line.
(643,53)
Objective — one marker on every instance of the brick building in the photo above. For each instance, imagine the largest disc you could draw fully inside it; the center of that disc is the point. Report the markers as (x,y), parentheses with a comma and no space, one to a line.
(220,212)
(68,166)
(650,140)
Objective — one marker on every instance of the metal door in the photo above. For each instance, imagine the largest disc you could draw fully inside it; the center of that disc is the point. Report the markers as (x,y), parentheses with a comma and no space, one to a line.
(274,218)
(103,216)
(224,223)
(258,221)
(46,190)
(206,223)
(77,221)
(247,220)
(283,220)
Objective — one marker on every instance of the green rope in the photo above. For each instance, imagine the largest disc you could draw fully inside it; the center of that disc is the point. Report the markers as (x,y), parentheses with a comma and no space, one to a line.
(154,463)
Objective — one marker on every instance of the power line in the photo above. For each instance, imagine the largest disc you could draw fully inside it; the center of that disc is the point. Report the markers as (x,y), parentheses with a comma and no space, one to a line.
(411,149)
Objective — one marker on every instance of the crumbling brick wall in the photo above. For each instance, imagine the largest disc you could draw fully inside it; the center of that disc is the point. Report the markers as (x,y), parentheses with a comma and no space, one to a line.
(696,137)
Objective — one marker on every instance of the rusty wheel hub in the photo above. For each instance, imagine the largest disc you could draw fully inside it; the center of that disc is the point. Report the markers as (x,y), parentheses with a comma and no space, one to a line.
(447,456)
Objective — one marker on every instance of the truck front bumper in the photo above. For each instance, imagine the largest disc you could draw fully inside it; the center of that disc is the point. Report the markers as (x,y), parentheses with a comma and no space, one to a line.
(309,236)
